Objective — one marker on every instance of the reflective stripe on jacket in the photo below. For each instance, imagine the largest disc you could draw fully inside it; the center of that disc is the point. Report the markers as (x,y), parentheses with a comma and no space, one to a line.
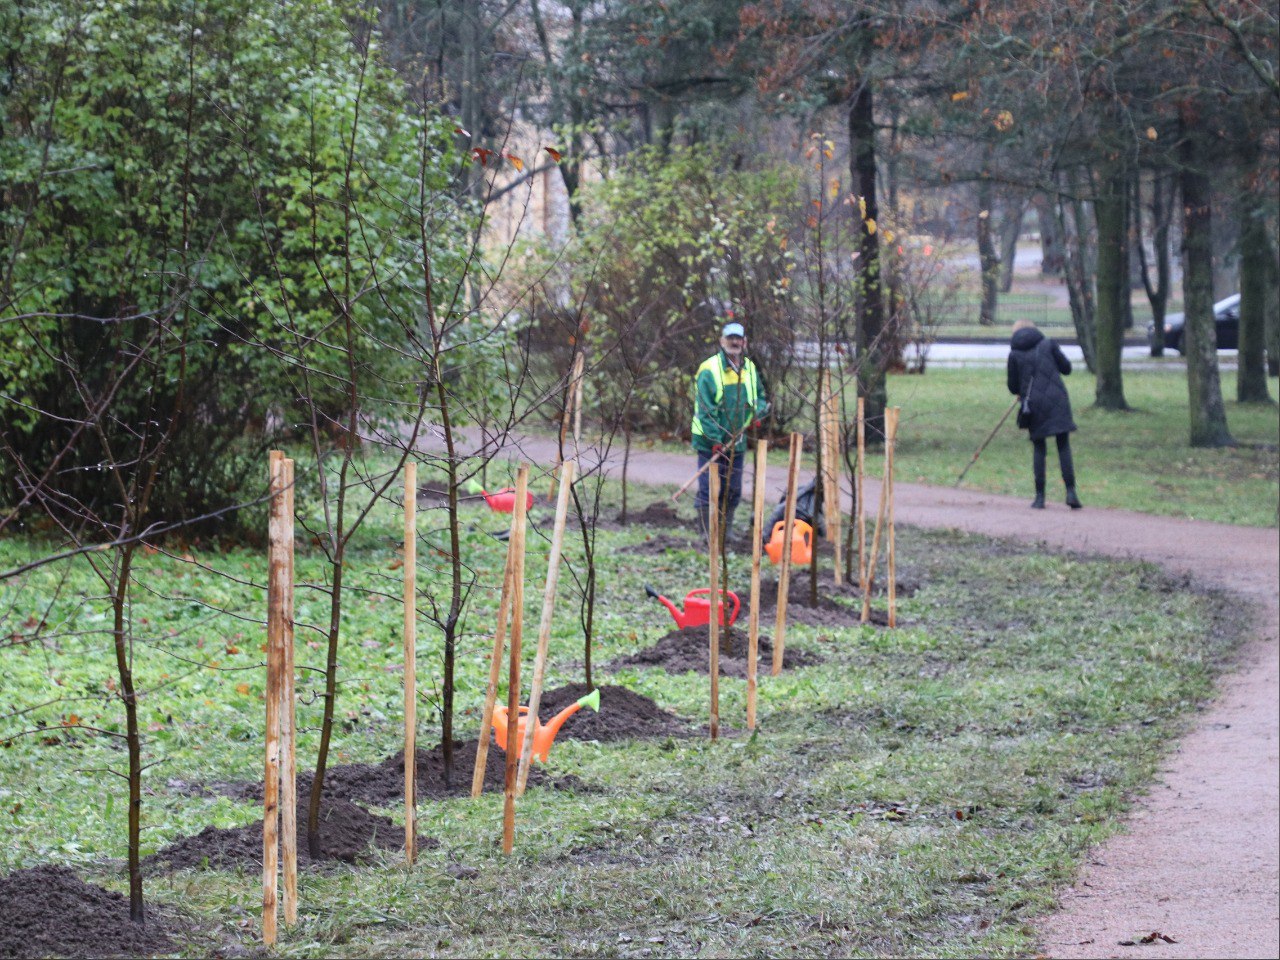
(725,402)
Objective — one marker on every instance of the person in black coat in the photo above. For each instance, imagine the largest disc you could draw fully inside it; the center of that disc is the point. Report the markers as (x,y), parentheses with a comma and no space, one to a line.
(1036,368)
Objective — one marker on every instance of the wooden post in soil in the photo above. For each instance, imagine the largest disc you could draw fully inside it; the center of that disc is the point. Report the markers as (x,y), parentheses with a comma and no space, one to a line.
(567,471)
(513,668)
(869,581)
(288,719)
(891,441)
(861,506)
(495,661)
(830,424)
(410,657)
(784,568)
(713,621)
(277,574)
(753,621)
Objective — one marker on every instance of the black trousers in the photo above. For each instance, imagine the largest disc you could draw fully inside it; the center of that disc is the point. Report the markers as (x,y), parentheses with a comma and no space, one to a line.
(1039,448)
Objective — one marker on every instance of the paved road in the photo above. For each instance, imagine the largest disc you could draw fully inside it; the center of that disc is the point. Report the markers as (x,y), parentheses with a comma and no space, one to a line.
(945,354)
(1200,858)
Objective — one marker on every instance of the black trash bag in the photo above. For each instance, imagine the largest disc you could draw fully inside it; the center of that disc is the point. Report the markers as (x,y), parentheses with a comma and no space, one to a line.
(808,506)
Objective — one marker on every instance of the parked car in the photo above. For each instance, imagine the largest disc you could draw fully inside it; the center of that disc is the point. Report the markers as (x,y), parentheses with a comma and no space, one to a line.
(1226,320)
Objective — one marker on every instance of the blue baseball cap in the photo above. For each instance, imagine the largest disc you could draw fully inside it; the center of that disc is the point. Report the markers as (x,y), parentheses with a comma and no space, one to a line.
(734,329)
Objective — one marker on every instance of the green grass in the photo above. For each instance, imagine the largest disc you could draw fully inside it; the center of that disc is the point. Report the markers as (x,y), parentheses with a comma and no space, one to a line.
(1139,460)
(922,793)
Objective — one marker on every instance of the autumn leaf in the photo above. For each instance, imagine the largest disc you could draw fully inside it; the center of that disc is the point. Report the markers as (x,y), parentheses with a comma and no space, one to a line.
(959,95)
(871,226)
(242,689)
(1151,133)
(395,565)
(461,132)
(1003,121)
(481,155)
(553,153)
(232,649)
(516,161)
(70,720)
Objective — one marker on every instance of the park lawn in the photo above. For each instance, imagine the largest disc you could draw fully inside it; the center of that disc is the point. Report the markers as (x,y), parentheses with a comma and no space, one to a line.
(1138,460)
(922,792)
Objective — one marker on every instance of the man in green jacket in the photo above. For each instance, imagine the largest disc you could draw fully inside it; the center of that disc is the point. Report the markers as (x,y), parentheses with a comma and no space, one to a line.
(728,398)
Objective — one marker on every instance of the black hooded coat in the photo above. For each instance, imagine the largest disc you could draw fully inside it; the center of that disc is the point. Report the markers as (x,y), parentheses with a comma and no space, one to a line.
(1036,368)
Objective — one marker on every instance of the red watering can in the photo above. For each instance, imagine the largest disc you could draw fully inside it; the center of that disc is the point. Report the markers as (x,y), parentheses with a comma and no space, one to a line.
(504,501)
(801,542)
(697,607)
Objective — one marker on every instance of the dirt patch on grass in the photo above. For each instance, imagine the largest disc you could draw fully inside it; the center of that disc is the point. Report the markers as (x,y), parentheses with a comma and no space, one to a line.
(624,715)
(656,514)
(49,911)
(348,834)
(683,650)
(660,543)
(382,784)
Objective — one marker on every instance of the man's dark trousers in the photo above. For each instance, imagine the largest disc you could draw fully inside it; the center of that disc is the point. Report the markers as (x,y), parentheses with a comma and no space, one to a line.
(729,465)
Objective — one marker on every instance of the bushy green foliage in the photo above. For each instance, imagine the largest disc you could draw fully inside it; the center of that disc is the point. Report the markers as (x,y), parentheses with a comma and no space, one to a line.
(213,214)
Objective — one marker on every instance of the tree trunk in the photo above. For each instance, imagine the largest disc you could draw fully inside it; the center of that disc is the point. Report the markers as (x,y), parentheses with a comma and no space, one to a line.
(871,320)
(1255,257)
(1109,210)
(1204,384)
(1052,257)
(988,259)
(1272,311)
(1157,293)
(1010,228)
(133,738)
(1075,243)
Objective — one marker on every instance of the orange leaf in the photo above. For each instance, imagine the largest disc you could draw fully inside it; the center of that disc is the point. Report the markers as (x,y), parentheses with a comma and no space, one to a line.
(395,565)
(232,649)
(960,95)
(554,153)
(242,689)
(515,161)
(481,155)
(71,720)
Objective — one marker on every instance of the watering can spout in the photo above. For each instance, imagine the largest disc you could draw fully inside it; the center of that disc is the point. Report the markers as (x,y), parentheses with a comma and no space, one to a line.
(591,700)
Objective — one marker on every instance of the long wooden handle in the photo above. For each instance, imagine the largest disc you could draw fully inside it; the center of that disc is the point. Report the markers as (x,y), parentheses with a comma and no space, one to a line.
(544,627)
(713,622)
(513,669)
(784,569)
(753,622)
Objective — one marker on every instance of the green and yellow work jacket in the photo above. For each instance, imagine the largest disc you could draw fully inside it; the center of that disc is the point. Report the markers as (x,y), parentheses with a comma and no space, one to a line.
(725,402)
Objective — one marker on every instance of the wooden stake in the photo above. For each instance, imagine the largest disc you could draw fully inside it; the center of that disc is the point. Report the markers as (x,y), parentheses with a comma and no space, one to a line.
(753,623)
(578,366)
(544,626)
(277,573)
(861,505)
(495,660)
(288,720)
(713,622)
(869,581)
(831,459)
(513,668)
(891,441)
(410,658)
(784,568)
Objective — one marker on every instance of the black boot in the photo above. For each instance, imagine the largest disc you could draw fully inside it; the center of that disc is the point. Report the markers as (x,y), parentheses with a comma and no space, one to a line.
(1072,500)
(1038,502)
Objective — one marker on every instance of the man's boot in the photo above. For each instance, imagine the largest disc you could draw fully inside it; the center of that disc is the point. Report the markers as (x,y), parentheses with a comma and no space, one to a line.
(1038,502)
(1072,500)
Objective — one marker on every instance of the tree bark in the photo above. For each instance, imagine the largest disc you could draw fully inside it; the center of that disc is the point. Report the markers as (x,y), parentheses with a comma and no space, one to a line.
(133,736)
(1110,213)
(988,259)
(1075,246)
(1051,254)
(1255,257)
(1204,384)
(871,318)
(1157,293)
(1010,228)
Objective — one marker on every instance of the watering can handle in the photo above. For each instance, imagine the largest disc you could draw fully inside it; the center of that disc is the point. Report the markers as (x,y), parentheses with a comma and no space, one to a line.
(737,604)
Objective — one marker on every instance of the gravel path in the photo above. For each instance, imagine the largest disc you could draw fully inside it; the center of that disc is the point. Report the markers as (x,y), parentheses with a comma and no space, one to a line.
(1199,861)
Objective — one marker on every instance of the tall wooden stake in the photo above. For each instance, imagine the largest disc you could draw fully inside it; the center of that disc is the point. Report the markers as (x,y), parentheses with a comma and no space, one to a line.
(713,623)
(513,668)
(861,505)
(495,660)
(891,441)
(288,719)
(277,575)
(410,657)
(753,623)
(544,627)
(784,568)
(869,581)
(830,423)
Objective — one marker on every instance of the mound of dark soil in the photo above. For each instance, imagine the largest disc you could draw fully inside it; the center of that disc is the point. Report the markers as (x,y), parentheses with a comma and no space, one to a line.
(683,650)
(349,834)
(624,715)
(50,912)
(837,606)
(657,514)
(660,543)
(382,784)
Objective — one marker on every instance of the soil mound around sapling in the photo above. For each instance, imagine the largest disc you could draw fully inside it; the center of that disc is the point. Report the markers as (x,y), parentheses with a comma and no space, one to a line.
(382,784)
(50,912)
(624,715)
(656,514)
(348,834)
(838,606)
(660,543)
(683,650)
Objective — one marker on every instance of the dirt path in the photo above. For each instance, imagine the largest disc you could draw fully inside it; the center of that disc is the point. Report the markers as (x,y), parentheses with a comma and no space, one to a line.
(1200,860)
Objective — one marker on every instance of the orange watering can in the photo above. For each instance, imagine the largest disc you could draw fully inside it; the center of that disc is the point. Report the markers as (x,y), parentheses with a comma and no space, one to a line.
(543,734)
(504,501)
(801,542)
(697,607)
